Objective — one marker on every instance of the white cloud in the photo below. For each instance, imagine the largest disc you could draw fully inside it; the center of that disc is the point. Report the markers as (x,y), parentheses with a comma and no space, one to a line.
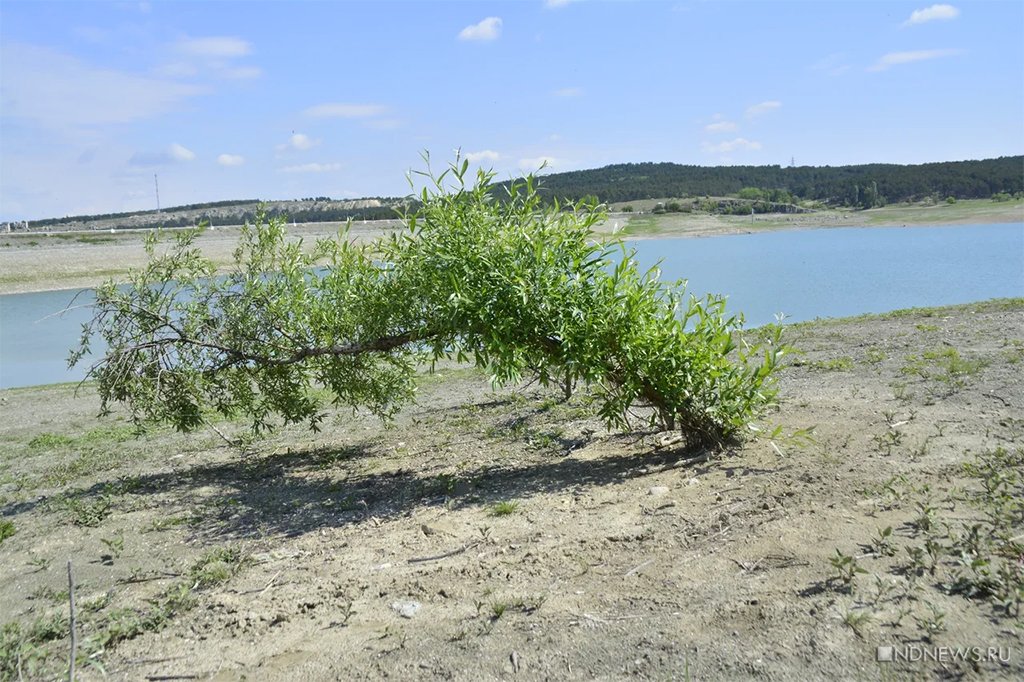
(896,58)
(312,168)
(230,160)
(58,91)
(214,46)
(487,29)
(569,92)
(301,142)
(933,13)
(535,164)
(484,155)
(720,127)
(175,153)
(555,4)
(341,110)
(739,144)
(179,153)
(763,108)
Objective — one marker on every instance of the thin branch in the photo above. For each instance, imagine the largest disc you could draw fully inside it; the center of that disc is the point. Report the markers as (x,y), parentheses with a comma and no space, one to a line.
(72,626)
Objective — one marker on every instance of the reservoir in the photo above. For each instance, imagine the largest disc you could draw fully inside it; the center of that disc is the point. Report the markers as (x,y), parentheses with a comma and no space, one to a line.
(802,275)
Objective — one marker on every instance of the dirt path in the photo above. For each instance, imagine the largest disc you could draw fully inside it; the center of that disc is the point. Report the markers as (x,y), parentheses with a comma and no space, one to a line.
(507,535)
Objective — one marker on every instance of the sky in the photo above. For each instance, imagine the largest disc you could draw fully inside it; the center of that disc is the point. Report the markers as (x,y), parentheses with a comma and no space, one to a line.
(281,100)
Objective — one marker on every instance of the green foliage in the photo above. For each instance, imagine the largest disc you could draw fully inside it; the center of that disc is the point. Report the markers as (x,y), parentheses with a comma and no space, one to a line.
(844,569)
(6,530)
(514,285)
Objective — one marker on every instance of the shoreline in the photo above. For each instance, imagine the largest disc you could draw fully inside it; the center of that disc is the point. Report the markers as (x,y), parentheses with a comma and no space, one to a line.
(64,265)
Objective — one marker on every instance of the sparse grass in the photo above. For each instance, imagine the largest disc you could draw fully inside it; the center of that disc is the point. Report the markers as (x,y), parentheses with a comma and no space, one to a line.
(504,508)
(944,366)
(217,566)
(840,364)
(874,356)
(47,441)
(857,620)
(168,522)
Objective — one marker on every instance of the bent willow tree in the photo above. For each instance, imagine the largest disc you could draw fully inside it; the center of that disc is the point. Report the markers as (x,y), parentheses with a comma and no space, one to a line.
(514,285)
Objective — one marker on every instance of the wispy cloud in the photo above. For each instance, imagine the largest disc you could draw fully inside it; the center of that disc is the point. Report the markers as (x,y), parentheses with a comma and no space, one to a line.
(483,155)
(179,153)
(720,127)
(762,108)
(833,65)
(214,46)
(538,162)
(342,110)
(933,13)
(897,58)
(486,29)
(230,160)
(738,144)
(212,55)
(555,4)
(312,168)
(58,91)
(569,92)
(174,153)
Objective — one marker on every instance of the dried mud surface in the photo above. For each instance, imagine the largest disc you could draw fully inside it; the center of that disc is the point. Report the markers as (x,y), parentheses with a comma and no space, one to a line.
(507,535)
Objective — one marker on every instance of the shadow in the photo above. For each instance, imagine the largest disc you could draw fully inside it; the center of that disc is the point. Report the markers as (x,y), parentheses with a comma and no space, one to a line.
(301,491)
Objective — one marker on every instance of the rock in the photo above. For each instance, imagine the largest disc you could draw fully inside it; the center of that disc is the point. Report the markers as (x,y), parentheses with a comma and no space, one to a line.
(406,609)
(658,490)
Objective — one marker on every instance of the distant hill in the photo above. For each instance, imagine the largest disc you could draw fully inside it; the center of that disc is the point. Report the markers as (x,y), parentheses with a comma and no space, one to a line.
(861,186)
(766,188)
(236,212)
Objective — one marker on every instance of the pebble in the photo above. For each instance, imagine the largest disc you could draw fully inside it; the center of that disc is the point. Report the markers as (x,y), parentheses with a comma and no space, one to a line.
(406,609)
(658,490)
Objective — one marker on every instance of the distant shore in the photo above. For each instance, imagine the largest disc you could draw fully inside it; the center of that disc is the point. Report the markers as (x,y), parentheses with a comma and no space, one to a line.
(31,262)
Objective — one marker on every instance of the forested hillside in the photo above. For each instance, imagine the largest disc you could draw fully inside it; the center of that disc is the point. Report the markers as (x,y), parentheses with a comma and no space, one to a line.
(765,188)
(864,186)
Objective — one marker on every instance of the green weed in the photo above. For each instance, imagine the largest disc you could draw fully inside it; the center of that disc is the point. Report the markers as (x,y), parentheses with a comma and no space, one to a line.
(504,508)
(944,366)
(6,530)
(845,568)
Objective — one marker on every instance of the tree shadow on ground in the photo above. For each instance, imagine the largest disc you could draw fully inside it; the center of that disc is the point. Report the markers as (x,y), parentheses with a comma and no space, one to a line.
(301,491)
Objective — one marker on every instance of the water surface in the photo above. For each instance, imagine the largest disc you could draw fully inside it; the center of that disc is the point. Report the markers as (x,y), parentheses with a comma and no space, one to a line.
(802,274)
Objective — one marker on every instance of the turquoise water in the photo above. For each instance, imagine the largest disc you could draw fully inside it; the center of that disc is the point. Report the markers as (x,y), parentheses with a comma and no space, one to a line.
(803,275)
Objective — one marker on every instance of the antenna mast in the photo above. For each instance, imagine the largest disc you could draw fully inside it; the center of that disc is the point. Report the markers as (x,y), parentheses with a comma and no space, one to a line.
(156,181)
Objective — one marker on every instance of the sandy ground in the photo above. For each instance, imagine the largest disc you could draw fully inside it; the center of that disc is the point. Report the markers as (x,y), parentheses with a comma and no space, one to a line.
(40,262)
(507,535)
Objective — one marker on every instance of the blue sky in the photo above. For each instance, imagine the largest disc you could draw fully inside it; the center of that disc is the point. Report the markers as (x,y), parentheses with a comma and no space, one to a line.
(277,100)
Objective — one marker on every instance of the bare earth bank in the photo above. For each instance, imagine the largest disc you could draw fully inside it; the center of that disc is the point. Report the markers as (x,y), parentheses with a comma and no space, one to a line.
(499,535)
